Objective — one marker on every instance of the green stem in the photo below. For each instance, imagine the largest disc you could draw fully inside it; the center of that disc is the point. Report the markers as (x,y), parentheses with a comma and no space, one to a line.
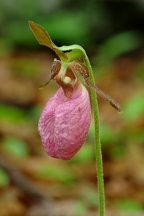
(99,163)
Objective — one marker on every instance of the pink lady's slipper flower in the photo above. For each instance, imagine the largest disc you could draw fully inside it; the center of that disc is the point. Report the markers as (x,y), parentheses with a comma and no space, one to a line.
(65,120)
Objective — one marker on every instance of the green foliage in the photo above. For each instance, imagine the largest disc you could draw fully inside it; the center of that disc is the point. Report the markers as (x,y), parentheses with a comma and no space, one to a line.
(85,155)
(16,8)
(129,205)
(118,150)
(108,135)
(35,113)
(11,113)
(134,107)
(15,147)
(17,33)
(4,179)
(83,22)
(69,26)
(58,173)
(118,45)
(110,138)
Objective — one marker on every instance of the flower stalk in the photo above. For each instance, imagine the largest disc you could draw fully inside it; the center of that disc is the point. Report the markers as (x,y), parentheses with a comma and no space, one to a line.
(98,151)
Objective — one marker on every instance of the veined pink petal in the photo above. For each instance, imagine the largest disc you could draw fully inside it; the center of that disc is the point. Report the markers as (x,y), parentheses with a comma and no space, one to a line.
(64,123)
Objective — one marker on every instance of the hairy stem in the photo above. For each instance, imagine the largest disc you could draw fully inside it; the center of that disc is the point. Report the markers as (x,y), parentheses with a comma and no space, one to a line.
(99,163)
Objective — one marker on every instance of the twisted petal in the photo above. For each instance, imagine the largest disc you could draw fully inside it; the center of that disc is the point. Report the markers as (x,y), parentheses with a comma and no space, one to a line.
(64,123)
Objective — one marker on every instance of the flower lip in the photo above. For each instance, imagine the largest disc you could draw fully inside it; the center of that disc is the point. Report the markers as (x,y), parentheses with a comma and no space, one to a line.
(65,121)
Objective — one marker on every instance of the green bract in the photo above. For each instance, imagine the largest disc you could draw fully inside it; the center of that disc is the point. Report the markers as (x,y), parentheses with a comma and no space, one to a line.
(65,53)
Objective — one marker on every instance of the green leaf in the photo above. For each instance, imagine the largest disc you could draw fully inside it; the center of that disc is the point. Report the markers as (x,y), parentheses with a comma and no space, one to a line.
(118,45)
(118,150)
(108,135)
(72,52)
(15,147)
(85,155)
(44,39)
(35,113)
(70,26)
(4,179)
(11,113)
(134,107)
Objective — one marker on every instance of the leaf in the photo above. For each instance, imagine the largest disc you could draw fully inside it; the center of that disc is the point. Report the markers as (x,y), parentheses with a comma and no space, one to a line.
(85,155)
(72,52)
(134,107)
(44,39)
(11,113)
(35,113)
(108,135)
(15,147)
(118,45)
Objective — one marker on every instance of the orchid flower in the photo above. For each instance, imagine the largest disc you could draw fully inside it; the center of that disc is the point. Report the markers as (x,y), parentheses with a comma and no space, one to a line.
(65,120)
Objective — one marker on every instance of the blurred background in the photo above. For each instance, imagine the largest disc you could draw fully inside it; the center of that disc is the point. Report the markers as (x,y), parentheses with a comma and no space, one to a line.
(32,183)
